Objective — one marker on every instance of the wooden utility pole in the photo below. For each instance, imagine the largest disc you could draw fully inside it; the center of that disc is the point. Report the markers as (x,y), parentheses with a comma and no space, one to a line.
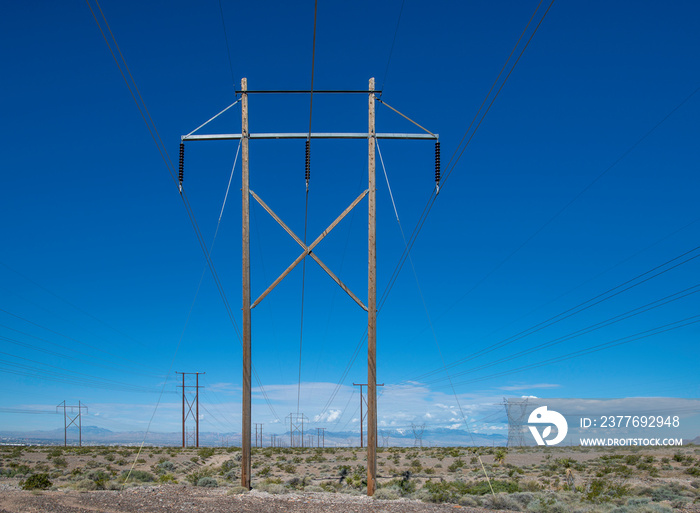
(183,410)
(245,190)
(372,307)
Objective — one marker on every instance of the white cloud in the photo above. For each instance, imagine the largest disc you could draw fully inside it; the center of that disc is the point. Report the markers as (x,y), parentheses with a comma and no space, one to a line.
(328,416)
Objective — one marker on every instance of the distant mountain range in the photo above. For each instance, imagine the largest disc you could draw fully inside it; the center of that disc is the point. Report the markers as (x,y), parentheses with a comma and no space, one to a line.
(93,435)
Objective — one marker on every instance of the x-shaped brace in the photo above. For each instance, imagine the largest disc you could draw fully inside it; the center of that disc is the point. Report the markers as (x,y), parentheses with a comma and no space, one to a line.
(308,250)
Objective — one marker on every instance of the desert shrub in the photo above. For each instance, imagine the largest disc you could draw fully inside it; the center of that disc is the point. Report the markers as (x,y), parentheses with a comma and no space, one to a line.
(632,459)
(86,485)
(16,470)
(316,458)
(165,466)
(271,487)
(207,482)
(298,483)
(59,462)
(167,479)
(55,453)
(523,498)
(139,476)
(237,490)
(265,471)
(451,491)
(194,477)
(331,486)
(669,492)
(693,471)
(227,466)
(206,452)
(501,501)
(456,465)
(637,506)
(678,457)
(99,477)
(547,503)
(600,490)
(36,482)
(289,468)
(388,494)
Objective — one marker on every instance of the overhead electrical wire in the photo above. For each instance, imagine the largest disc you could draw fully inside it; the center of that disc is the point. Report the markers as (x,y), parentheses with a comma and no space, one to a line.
(66,375)
(688,321)
(306,201)
(583,331)
(67,337)
(393,42)
(124,367)
(571,201)
(431,201)
(69,357)
(430,321)
(581,307)
(150,124)
(72,305)
(228,48)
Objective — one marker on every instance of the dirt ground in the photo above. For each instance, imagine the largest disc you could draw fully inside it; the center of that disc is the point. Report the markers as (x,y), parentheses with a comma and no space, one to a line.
(202,500)
(333,480)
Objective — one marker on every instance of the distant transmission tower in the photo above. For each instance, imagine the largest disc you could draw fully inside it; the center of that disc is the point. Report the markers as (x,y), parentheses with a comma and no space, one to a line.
(516,411)
(259,438)
(74,414)
(296,429)
(187,412)
(363,401)
(418,434)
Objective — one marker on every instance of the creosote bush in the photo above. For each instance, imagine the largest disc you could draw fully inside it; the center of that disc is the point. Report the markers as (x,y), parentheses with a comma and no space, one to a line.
(36,482)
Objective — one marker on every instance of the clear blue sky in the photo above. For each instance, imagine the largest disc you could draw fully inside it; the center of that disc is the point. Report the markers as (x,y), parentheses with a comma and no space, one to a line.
(99,261)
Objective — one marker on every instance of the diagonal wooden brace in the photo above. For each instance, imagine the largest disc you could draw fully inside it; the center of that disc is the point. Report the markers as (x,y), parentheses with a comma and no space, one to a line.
(308,249)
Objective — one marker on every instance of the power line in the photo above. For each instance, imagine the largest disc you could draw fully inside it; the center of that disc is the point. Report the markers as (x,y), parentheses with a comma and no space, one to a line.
(432,328)
(67,337)
(585,305)
(584,331)
(594,349)
(306,202)
(228,48)
(171,170)
(433,196)
(66,301)
(68,357)
(66,376)
(393,42)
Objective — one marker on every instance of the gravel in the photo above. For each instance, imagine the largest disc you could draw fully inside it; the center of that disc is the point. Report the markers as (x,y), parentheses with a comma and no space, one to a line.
(177,499)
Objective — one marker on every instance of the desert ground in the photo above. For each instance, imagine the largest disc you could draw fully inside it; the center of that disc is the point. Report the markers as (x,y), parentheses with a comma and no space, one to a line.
(118,479)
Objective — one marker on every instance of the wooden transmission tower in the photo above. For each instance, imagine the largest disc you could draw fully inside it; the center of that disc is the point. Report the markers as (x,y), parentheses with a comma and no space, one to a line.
(307,251)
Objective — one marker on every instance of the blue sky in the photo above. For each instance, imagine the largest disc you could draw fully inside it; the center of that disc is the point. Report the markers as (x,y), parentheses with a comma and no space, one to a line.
(582,177)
